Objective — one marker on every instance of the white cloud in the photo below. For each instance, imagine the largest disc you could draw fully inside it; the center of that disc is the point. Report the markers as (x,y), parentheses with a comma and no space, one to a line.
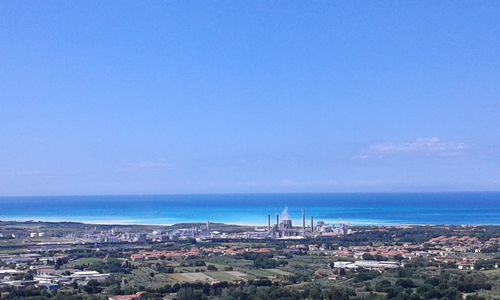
(421,146)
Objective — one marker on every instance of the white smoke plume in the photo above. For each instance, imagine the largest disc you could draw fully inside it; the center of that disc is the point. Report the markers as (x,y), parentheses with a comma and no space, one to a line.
(285,215)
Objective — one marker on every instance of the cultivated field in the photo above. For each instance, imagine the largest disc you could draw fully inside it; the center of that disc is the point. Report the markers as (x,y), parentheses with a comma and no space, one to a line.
(229,276)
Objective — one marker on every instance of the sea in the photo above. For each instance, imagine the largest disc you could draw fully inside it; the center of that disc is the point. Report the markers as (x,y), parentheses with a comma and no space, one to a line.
(253,209)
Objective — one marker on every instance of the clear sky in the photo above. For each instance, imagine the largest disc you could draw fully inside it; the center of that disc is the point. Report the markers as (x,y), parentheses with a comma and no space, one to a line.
(119,97)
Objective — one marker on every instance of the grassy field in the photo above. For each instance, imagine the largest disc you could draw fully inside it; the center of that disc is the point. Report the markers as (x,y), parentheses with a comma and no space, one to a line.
(91,261)
(237,273)
(229,276)
(176,278)
(495,273)
(12,251)
(199,277)
(494,276)
(193,277)
(262,273)
(279,272)
(142,277)
(224,261)
(190,269)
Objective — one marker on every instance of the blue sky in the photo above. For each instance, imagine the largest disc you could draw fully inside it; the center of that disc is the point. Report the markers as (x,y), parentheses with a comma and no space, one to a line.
(118,97)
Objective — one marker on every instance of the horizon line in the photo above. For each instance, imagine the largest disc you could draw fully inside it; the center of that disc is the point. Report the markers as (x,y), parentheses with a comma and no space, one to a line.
(249,193)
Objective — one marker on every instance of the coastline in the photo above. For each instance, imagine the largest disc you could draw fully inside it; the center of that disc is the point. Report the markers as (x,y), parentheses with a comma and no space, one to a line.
(120,222)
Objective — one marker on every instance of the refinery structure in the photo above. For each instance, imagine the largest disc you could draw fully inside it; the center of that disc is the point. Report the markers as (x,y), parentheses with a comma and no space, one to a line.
(284,229)
(281,228)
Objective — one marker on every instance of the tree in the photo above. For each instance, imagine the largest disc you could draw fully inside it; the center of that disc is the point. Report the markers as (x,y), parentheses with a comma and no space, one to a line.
(211,268)
(366,275)
(74,285)
(315,293)
(405,283)
(189,294)
(92,287)
(383,285)
(263,262)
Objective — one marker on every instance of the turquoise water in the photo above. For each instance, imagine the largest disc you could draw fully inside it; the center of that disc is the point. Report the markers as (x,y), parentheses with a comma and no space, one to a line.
(376,209)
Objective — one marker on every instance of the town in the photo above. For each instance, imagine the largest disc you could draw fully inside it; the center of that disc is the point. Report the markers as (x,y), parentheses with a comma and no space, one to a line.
(220,261)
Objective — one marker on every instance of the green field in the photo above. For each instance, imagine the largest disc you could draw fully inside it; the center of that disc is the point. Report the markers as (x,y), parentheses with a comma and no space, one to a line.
(190,269)
(86,261)
(279,272)
(262,273)
(224,261)
(142,277)
(229,276)
(226,276)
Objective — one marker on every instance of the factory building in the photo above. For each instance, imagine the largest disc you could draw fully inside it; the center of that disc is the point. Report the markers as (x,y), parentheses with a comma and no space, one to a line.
(283,228)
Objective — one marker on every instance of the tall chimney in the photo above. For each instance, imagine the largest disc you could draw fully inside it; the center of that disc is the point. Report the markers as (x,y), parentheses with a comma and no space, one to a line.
(303,222)
(268,222)
(277,220)
(312,224)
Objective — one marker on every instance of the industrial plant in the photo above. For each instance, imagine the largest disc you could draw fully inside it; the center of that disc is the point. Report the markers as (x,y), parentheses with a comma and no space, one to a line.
(284,229)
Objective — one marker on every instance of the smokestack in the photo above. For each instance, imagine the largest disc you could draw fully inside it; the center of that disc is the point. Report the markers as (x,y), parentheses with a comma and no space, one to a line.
(268,222)
(303,222)
(312,224)
(277,220)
